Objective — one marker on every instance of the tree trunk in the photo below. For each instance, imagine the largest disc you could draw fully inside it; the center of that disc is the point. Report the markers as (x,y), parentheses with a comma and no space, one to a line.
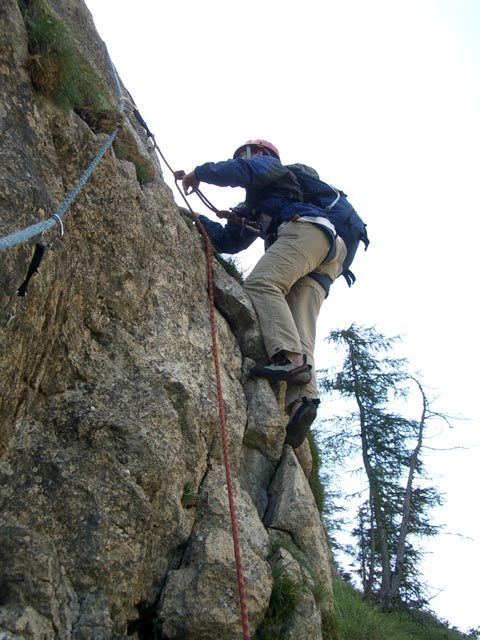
(407,505)
(375,502)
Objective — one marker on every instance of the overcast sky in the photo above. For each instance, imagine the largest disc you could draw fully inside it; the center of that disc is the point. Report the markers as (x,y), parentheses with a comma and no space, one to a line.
(382,98)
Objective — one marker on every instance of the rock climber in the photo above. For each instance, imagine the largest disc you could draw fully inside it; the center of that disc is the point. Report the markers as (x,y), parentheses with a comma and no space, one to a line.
(291,280)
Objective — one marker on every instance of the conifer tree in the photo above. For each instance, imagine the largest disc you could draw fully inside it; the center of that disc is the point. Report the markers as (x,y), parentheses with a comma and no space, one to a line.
(394,513)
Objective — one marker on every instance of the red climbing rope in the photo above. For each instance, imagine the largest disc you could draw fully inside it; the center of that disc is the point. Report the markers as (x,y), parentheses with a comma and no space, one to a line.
(223,424)
(221,409)
(226,455)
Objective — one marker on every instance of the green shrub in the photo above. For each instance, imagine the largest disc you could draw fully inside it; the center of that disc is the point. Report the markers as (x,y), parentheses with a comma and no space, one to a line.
(60,72)
(285,597)
(231,266)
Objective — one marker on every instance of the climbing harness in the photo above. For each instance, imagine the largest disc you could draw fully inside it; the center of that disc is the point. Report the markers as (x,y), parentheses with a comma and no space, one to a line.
(221,410)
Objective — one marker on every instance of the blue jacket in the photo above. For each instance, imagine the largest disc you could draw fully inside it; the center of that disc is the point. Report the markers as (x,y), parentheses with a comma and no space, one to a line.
(271,189)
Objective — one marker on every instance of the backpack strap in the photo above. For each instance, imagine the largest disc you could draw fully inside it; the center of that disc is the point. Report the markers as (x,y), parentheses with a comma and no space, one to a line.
(323,280)
(333,242)
(337,198)
(349,277)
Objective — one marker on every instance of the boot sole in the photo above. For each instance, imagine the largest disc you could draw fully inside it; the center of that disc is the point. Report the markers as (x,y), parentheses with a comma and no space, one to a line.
(298,430)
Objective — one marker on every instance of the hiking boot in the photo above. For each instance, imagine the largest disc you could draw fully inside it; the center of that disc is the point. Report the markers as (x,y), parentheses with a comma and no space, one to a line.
(299,424)
(284,369)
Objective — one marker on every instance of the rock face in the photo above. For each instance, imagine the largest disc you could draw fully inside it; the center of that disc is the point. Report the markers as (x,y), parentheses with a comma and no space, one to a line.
(115,518)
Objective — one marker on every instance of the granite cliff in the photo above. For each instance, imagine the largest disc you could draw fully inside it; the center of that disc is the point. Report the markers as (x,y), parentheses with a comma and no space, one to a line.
(114,512)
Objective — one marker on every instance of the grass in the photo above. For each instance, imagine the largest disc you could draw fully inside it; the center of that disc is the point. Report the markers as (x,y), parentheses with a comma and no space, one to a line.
(231,266)
(60,72)
(286,595)
(360,620)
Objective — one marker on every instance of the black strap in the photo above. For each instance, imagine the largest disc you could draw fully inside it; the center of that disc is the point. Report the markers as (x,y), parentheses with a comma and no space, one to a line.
(349,277)
(323,280)
(37,257)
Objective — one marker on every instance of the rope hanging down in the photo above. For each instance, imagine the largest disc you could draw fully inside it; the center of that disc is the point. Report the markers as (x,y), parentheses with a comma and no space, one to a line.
(221,410)
(226,454)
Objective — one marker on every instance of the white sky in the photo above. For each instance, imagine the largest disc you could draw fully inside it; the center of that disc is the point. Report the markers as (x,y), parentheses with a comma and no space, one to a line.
(383,99)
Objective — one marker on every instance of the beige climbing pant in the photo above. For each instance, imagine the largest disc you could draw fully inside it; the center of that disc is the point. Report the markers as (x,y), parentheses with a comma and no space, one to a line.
(287,300)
